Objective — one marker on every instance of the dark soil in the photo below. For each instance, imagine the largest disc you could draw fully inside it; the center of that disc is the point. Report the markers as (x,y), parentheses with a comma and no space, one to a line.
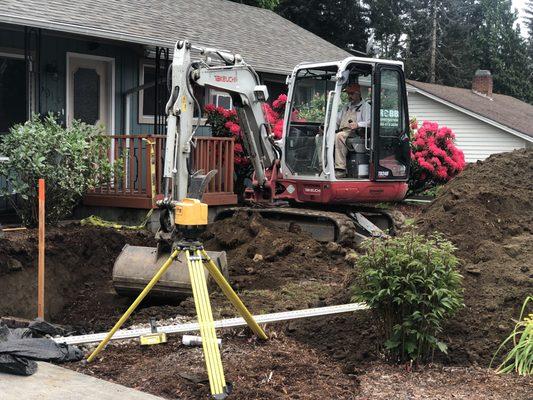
(78,260)
(273,269)
(487,212)
(284,368)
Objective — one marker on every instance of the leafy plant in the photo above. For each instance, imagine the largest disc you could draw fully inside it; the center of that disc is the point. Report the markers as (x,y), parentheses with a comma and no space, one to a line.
(435,159)
(520,357)
(70,160)
(413,284)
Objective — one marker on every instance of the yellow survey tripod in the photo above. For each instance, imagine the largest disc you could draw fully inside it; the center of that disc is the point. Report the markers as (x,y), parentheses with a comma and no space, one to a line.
(197,258)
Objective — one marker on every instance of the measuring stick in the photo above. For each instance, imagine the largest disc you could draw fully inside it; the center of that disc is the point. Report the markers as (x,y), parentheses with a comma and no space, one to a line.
(40,272)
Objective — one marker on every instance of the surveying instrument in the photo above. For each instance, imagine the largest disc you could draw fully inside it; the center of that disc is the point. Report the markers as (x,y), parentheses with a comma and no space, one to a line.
(190,218)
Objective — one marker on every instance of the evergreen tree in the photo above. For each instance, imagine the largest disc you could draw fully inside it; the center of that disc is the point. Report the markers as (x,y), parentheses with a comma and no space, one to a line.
(529,18)
(387,19)
(440,40)
(341,22)
(268,4)
(503,51)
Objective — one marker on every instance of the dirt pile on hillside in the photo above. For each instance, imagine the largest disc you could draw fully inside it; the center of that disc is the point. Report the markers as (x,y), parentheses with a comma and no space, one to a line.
(487,212)
(78,262)
(272,266)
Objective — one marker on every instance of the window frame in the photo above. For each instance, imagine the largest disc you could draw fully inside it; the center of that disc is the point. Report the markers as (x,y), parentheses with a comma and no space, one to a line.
(144,119)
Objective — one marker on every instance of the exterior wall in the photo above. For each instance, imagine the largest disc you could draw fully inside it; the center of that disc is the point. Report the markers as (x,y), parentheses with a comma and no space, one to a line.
(54,49)
(475,138)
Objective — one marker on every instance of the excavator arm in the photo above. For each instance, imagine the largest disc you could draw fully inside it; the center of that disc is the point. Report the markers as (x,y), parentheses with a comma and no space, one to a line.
(234,77)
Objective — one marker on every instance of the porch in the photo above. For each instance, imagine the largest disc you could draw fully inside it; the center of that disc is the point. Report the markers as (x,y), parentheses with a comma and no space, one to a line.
(133,184)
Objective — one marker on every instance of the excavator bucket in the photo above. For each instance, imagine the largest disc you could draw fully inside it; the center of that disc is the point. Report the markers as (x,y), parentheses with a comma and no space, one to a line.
(136,265)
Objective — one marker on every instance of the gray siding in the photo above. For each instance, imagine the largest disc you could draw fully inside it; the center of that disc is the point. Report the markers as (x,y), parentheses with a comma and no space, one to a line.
(475,138)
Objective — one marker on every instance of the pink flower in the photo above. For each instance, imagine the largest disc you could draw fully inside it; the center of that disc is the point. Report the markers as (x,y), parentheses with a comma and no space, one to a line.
(235,129)
(209,108)
(228,114)
(277,131)
(238,148)
(442,173)
(414,124)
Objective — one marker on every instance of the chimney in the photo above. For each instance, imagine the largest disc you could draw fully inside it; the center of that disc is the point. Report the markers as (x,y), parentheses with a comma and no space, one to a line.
(482,83)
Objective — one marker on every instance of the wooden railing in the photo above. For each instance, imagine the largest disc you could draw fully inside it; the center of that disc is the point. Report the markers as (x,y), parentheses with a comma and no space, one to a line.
(133,186)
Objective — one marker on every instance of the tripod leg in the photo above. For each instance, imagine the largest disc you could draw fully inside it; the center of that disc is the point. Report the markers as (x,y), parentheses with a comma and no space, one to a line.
(132,308)
(232,296)
(213,361)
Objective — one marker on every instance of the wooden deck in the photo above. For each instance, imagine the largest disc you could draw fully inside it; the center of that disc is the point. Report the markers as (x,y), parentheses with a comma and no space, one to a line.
(133,185)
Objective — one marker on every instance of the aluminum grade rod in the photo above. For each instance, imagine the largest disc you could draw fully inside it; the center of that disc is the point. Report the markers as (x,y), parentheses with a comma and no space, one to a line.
(224,323)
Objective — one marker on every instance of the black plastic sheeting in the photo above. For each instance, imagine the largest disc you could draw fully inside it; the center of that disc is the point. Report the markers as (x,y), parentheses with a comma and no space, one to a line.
(19,348)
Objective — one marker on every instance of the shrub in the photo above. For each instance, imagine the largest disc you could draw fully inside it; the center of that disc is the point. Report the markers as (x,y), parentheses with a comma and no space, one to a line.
(224,123)
(274,115)
(70,160)
(412,283)
(434,157)
(520,357)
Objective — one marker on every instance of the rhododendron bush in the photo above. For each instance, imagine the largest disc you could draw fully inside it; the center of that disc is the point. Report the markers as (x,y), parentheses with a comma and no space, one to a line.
(435,158)
(224,123)
(274,115)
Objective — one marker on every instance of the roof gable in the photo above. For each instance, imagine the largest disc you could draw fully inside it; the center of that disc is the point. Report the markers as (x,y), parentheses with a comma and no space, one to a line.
(266,40)
(501,109)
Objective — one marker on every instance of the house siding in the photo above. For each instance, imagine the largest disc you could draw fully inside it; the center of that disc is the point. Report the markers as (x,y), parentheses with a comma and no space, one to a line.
(477,139)
(54,49)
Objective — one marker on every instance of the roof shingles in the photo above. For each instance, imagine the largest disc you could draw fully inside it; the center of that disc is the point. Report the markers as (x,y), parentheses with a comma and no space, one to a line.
(266,40)
(505,110)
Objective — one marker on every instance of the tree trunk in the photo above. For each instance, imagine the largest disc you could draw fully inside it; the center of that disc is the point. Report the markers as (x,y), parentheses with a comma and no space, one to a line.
(433,48)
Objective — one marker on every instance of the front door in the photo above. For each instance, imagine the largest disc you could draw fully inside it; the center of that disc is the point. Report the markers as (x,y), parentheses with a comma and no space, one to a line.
(89,91)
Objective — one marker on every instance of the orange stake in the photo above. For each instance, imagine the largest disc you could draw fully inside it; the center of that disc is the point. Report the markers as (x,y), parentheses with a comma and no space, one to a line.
(40,273)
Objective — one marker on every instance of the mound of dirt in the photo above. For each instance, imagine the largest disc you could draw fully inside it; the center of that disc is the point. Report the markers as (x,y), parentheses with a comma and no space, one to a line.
(487,212)
(78,260)
(276,269)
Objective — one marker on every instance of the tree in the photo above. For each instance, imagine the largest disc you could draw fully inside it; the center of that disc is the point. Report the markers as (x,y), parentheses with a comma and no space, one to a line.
(529,18)
(529,27)
(387,19)
(439,46)
(268,4)
(341,22)
(503,50)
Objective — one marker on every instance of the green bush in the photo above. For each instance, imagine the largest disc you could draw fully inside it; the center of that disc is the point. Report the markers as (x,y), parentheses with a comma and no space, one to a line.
(412,283)
(70,160)
(520,357)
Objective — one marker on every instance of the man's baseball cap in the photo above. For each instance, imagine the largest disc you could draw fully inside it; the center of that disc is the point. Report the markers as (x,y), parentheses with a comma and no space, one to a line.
(352,88)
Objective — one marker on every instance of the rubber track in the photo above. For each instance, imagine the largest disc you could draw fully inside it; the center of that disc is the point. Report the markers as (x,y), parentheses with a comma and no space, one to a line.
(345,228)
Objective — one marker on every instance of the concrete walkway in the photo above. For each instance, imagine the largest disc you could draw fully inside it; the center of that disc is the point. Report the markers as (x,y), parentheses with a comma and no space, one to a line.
(52,382)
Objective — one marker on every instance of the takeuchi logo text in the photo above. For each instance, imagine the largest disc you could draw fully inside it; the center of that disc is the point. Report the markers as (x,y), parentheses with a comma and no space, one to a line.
(224,78)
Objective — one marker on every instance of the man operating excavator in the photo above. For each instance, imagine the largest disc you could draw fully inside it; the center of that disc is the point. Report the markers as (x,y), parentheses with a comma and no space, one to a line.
(356,114)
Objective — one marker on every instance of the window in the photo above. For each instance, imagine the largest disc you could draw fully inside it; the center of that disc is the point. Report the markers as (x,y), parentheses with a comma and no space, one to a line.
(393,142)
(390,112)
(13,94)
(147,96)
(219,99)
(303,144)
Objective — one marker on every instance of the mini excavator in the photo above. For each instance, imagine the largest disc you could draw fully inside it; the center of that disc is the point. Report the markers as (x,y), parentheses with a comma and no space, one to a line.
(294,178)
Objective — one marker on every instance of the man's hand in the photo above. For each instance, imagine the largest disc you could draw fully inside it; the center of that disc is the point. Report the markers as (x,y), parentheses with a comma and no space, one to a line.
(353,125)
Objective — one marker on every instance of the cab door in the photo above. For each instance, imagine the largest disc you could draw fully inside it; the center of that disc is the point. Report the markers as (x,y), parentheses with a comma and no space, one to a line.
(390,138)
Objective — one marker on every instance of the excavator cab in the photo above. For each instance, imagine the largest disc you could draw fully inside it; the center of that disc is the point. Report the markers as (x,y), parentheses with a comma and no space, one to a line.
(377,151)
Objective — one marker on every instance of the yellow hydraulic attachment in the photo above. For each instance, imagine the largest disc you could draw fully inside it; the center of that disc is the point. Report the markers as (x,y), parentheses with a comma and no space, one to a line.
(190,213)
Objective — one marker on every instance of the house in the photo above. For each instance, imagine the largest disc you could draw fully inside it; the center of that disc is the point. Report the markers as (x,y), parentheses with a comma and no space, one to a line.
(105,61)
(484,122)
